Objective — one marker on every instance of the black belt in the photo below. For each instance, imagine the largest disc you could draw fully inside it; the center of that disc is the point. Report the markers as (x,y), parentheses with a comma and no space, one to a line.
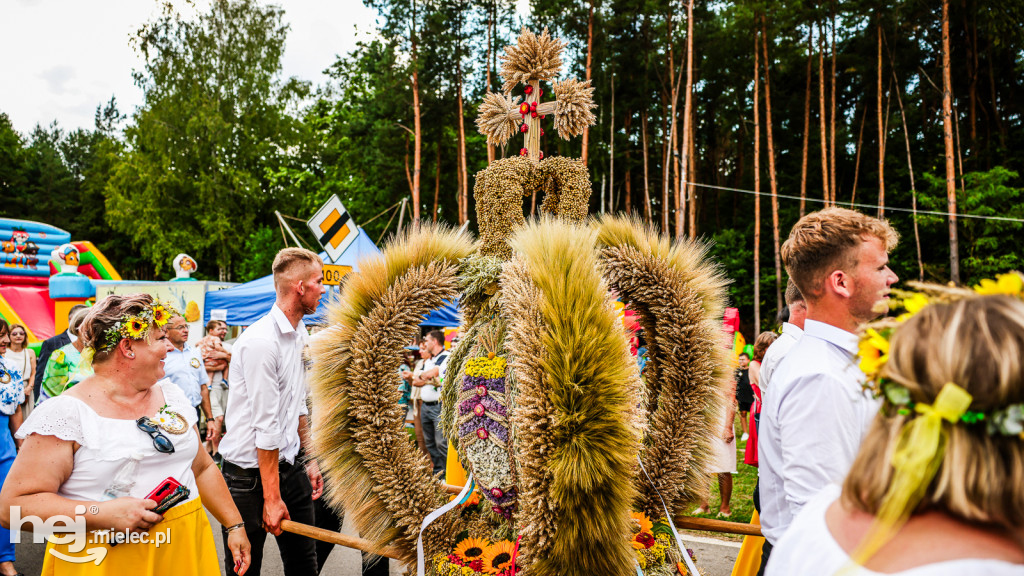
(236,470)
(431,403)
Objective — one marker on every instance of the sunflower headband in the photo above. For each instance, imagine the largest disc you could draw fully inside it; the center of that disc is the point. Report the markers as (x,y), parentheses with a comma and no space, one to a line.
(874,354)
(136,326)
(921,444)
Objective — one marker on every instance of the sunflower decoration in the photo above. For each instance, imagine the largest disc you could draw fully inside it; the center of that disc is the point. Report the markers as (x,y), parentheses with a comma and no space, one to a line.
(471,549)
(874,351)
(160,315)
(136,328)
(1010,284)
(498,557)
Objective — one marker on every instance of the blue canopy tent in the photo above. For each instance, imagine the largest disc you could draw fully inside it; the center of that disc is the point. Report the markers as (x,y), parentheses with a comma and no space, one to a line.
(246,303)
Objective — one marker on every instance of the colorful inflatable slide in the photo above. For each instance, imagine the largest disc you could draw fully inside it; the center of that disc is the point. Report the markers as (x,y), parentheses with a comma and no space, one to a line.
(25,270)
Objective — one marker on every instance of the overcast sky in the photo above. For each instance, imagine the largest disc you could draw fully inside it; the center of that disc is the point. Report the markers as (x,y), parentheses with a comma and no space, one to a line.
(62,58)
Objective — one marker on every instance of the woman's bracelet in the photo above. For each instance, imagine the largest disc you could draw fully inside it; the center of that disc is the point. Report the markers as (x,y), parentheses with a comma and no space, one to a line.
(239,526)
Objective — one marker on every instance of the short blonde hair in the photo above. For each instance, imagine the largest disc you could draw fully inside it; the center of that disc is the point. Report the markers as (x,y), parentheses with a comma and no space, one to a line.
(978,344)
(827,240)
(793,294)
(289,260)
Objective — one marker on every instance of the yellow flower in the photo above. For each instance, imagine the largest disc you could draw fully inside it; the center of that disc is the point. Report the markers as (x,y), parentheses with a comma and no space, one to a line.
(471,548)
(498,557)
(874,352)
(160,316)
(1010,283)
(640,522)
(136,328)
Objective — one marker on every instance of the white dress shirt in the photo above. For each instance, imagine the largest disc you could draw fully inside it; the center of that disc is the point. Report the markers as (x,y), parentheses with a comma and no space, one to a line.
(814,417)
(267,392)
(185,368)
(778,349)
(429,392)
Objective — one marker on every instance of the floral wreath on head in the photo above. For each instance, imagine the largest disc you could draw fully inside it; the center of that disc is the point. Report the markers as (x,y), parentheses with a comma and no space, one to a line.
(921,443)
(131,326)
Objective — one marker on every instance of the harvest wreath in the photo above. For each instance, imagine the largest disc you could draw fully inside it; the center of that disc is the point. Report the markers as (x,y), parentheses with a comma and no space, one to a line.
(580,460)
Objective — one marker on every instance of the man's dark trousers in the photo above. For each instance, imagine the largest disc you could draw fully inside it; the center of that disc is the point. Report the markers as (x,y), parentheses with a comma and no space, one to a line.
(298,553)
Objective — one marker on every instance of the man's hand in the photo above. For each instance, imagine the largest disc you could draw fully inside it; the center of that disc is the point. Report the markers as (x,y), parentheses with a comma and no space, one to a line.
(274,510)
(212,428)
(728,435)
(315,479)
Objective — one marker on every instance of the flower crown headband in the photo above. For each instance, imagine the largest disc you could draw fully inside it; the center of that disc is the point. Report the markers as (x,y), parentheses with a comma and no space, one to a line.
(921,444)
(136,326)
(874,352)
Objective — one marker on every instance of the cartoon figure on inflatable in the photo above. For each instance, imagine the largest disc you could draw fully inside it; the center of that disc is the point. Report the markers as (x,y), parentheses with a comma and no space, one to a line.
(581,462)
(184,265)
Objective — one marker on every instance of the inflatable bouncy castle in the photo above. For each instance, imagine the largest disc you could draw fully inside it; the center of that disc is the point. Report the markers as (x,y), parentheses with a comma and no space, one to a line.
(43,274)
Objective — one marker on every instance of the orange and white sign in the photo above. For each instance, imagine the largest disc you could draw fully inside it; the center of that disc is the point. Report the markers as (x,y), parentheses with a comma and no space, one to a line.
(334,228)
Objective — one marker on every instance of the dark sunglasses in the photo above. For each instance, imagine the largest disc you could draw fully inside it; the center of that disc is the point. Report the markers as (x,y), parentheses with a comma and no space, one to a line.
(160,442)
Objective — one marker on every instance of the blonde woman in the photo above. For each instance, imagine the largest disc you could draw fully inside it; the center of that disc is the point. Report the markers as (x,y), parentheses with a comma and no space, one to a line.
(938,485)
(23,359)
(78,443)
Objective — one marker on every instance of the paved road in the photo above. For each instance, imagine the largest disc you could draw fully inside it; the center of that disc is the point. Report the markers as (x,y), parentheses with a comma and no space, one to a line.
(714,556)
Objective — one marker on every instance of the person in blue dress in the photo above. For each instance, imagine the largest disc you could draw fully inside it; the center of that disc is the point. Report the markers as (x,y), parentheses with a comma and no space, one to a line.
(12,393)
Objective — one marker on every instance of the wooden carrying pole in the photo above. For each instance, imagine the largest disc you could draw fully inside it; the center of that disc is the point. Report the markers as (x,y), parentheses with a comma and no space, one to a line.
(684,522)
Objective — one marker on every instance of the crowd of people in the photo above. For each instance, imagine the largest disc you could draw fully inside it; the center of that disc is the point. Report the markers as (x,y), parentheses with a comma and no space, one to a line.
(121,403)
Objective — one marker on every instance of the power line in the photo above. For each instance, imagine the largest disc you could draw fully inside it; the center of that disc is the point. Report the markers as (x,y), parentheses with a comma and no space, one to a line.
(858,205)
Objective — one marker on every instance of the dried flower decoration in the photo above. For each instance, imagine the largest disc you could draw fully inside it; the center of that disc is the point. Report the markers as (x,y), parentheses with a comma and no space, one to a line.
(532,57)
(497,117)
(573,105)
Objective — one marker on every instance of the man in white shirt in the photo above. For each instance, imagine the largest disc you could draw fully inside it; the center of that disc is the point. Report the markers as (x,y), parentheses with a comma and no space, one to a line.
(815,413)
(430,381)
(184,367)
(791,332)
(267,424)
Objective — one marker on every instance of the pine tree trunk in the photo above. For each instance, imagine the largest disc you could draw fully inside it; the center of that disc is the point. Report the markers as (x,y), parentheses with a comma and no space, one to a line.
(648,216)
(611,150)
(856,162)
(807,122)
(910,168)
(823,113)
(881,132)
(757,190)
(832,136)
(490,40)
(691,190)
(687,127)
(417,131)
(771,162)
(626,126)
(590,55)
(463,171)
(972,73)
(947,137)
(437,183)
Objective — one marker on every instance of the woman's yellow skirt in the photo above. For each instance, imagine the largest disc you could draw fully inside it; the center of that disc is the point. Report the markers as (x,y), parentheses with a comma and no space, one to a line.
(181,545)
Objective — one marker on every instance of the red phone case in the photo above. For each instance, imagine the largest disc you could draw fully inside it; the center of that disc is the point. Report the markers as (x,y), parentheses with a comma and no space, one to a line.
(165,489)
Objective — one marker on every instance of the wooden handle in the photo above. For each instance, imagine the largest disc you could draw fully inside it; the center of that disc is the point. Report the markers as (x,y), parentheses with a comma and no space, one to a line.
(710,525)
(337,538)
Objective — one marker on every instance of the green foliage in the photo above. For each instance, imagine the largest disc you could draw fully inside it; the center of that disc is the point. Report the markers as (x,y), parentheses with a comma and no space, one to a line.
(194,177)
(986,246)
(258,253)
